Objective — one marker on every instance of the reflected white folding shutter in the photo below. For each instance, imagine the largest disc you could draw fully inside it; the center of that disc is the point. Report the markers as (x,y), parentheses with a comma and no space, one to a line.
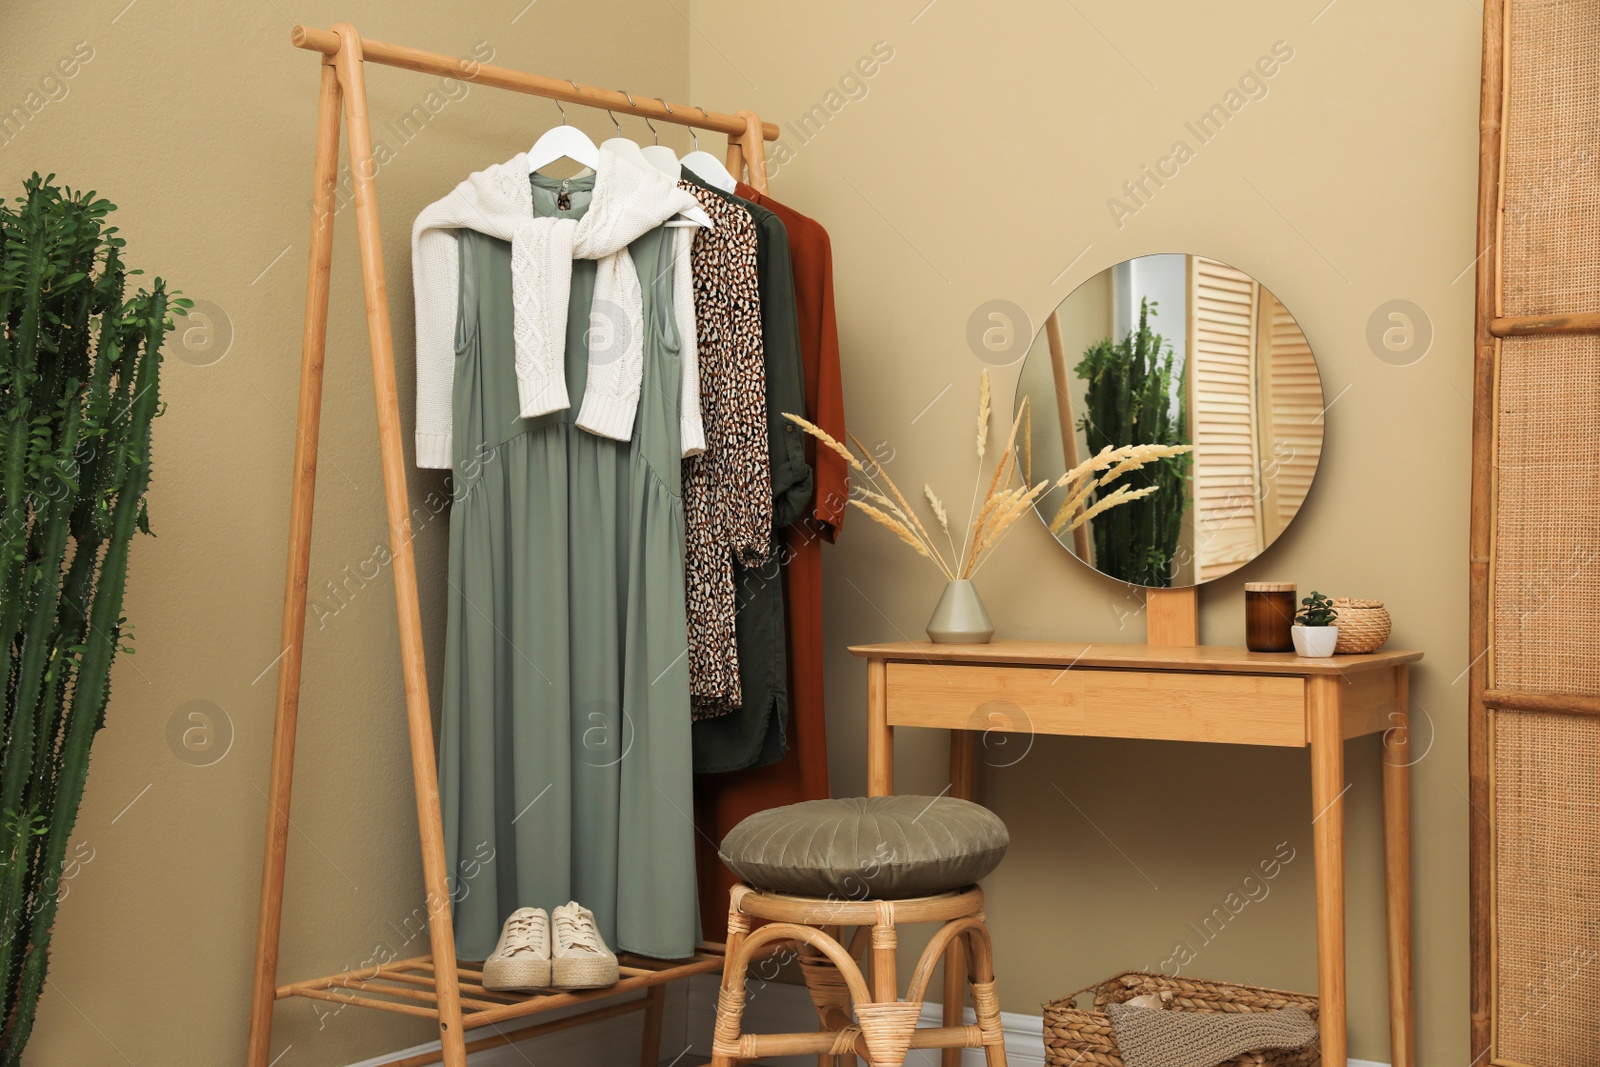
(1222,355)
(1291,432)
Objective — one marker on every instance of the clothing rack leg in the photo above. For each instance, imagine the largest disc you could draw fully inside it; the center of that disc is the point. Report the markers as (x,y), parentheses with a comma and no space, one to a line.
(419,719)
(754,150)
(650,1042)
(313,343)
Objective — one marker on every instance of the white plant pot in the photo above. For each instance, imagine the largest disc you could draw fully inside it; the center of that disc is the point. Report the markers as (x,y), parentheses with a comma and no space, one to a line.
(1315,641)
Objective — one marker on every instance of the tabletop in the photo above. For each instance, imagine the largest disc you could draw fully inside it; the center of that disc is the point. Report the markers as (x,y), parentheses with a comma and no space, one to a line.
(1129,656)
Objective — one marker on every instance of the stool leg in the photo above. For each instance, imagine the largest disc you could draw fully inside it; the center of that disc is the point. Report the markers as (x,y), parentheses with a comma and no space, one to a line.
(888,1022)
(829,994)
(955,991)
(985,1000)
(885,949)
(730,997)
(857,950)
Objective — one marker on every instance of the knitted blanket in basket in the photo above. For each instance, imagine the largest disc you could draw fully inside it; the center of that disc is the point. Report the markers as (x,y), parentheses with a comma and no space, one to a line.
(1153,1037)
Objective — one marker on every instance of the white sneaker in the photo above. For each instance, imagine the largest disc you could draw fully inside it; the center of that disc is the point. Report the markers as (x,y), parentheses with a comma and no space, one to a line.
(521,959)
(580,959)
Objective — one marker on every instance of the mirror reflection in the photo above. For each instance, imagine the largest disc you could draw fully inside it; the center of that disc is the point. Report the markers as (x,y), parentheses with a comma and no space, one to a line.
(1176,349)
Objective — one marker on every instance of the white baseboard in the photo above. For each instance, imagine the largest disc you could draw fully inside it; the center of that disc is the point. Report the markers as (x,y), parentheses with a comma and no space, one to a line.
(688,1018)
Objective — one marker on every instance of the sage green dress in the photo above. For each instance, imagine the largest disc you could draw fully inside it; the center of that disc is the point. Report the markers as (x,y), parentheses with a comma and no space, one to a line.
(565,753)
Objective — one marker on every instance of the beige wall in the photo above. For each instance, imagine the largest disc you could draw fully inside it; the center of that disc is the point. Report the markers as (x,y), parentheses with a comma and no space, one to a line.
(197,119)
(978,167)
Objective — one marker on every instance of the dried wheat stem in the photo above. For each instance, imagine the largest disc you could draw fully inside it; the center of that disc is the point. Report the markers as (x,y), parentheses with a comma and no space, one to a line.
(942,515)
(827,439)
(983,415)
(1122,495)
(901,531)
(1075,500)
(1025,498)
(898,516)
(938,507)
(905,507)
(1001,476)
(1009,507)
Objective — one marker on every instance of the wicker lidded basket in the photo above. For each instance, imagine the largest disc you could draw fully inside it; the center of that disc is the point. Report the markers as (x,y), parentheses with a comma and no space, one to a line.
(1363,625)
(1079,1037)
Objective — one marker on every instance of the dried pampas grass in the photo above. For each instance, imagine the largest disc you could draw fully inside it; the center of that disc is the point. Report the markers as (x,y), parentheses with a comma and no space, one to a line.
(881,500)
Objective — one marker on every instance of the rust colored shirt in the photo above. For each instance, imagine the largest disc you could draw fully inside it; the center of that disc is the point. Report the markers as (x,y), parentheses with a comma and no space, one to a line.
(812,254)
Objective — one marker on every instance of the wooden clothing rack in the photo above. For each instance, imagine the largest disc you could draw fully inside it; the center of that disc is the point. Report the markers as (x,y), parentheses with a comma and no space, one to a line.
(434,986)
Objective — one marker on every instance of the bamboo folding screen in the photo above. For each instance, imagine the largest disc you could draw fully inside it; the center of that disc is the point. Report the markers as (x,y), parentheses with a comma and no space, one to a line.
(434,986)
(1534,736)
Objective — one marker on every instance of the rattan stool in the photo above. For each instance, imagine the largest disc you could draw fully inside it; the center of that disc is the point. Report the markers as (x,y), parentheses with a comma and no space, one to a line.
(857,1019)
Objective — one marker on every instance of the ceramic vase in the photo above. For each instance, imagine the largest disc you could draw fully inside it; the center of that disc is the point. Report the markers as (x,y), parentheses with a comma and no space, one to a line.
(960,618)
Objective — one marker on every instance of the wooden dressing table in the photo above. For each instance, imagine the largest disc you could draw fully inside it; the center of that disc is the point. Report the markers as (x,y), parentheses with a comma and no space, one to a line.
(1178,692)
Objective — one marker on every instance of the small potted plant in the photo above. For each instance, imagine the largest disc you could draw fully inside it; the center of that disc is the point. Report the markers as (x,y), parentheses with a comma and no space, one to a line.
(1314,631)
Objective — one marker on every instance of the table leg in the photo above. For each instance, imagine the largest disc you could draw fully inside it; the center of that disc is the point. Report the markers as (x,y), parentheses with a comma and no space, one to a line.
(963,784)
(1396,754)
(880,735)
(1327,834)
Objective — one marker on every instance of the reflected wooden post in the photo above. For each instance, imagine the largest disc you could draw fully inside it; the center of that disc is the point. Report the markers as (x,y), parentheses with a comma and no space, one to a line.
(1069,434)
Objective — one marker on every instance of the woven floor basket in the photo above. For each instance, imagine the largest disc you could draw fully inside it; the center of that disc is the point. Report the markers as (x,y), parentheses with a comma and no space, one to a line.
(1363,625)
(1079,1037)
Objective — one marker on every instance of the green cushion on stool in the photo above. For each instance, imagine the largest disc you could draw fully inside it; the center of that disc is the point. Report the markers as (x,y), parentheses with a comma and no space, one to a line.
(867,848)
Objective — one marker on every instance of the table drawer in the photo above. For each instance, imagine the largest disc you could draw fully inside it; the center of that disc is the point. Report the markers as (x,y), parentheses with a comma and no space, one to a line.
(1159,705)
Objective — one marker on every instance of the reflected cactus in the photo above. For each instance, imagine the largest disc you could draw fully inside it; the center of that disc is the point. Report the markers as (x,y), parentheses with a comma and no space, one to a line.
(80,367)
(1136,396)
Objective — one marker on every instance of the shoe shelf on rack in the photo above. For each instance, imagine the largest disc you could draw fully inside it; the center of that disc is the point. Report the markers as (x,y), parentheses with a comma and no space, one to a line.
(407,987)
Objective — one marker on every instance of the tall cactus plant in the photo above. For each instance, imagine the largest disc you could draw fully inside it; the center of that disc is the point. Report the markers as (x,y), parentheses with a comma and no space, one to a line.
(80,363)
(1136,396)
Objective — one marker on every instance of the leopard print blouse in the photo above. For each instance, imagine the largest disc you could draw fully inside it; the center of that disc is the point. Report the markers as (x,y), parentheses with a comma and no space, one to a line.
(727,489)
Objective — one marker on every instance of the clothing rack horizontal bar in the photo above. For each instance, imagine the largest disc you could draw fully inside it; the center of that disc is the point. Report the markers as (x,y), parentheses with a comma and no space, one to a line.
(1532,325)
(1567,703)
(426,981)
(367,1002)
(470,70)
(394,985)
(363,987)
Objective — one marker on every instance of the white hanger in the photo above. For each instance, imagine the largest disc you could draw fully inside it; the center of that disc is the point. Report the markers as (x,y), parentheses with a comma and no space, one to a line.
(648,158)
(622,146)
(707,167)
(563,142)
(658,155)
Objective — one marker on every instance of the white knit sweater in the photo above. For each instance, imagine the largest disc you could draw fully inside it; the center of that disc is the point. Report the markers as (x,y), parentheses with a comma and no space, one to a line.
(627,202)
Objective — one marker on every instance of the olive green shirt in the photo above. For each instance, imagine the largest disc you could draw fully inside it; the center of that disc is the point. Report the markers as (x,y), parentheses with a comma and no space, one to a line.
(754,734)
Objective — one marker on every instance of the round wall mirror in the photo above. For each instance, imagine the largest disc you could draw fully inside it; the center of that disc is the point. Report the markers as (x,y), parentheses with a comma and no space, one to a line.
(1175,349)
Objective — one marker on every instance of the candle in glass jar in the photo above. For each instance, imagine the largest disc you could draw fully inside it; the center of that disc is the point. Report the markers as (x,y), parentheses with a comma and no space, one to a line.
(1268,615)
